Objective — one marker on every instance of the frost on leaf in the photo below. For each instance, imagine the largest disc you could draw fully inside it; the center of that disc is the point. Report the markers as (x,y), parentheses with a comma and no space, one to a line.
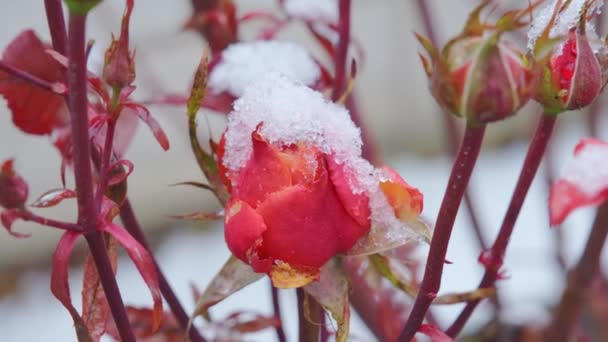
(286,113)
(313,10)
(584,180)
(241,64)
(331,291)
(233,276)
(34,110)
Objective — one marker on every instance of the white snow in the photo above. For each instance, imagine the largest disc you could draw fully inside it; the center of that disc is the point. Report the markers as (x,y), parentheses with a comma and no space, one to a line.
(313,10)
(588,169)
(293,113)
(566,20)
(243,63)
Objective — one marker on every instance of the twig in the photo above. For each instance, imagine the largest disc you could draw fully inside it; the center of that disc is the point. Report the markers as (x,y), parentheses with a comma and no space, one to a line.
(277,313)
(29,216)
(457,184)
(536,150)
(309,317)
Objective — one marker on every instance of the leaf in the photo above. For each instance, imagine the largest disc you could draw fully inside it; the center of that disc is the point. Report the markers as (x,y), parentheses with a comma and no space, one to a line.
(53,197)
(200,216)
(95,307)
(206,161)
(195,184)
(382,265)
(233,276)
(434,333)
(117,172)
(8,217)
(34,110)
(144,114)
(584,180)
(59,282)
(169,331)
(145,265)
(331,291)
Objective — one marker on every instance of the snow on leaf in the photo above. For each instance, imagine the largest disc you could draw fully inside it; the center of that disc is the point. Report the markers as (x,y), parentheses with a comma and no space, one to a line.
(8,217)
(53,197)
(583,182)
(95,307)
(34,110)
(331,291)
(59,282)
(233,276)
(242,64)
(144,114)
(434,333)
(145,265)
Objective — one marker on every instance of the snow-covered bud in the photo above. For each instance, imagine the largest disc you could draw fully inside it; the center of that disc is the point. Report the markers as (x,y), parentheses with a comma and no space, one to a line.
(479,75)
(13,189)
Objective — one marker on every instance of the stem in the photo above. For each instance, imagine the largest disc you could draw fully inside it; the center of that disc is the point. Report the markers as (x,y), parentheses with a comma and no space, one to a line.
(105,162)
(56,23)
(87,210)
(27,77)
(29,216)
(579,280)
(277,313)
(536,150)
(129,220)
(450,126)
(309,331)
(341,49)
(457,184)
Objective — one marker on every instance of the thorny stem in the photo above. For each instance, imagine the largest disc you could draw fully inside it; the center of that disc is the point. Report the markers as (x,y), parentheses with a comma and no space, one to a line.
(457,184)
(87,210)
(277,313)
(29,216)
(536,150)
(579,281)
(450,126)
(309,326)
(27,77)
(56,23)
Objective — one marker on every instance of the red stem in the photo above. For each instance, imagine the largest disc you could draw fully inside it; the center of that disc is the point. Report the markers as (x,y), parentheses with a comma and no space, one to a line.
(457,184)
(579,281)
(309,331)
(342,49)
(56,23)
(29,216)
(537,148)
(27,77)
(88,213)
(105,162)
(277,313)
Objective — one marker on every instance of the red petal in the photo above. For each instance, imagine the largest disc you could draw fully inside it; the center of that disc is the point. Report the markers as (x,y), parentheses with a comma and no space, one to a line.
(584,182)
(145,265)
(8,217)
(53,197)
(404,198)
(243,227)
(144,114)
(59,281)
(357,205)
(34,110)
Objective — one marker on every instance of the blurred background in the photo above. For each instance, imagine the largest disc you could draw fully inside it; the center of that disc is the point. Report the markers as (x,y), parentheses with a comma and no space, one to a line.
(403,118)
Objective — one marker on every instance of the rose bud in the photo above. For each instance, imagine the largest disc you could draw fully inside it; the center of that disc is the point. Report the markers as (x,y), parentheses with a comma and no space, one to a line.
(569,55)
(479,75)
(13,189)
(300,191)
(119,62)
(216,21)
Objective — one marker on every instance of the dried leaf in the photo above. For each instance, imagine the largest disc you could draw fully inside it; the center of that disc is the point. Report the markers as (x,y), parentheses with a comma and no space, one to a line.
(59,282)
(382,265)
(53,197)
(331,291)
(233,276)
(145,265)
(34,110)
(95,307)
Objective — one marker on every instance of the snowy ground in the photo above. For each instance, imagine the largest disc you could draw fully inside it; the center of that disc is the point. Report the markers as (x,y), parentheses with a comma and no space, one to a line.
(191,256)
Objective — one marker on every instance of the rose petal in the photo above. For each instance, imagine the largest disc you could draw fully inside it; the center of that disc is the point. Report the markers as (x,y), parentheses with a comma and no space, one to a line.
(243,227)
(357,205)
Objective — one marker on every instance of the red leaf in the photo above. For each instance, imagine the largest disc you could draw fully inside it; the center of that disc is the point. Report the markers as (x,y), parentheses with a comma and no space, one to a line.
(8,217)
(117,171)
(59,282)
(34,110)
(145,265)
(169,331)
(53,197)
(144,114)
(95,307)
(434,333)
(584,181)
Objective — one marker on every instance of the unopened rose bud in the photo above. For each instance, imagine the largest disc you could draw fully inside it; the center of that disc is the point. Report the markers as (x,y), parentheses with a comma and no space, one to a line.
(479,75)
(119,64)
(13,189)
(216,22)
